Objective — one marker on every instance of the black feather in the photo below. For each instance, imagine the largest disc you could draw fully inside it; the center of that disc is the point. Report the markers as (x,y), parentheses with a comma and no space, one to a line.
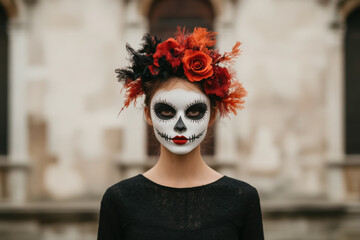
(140,61)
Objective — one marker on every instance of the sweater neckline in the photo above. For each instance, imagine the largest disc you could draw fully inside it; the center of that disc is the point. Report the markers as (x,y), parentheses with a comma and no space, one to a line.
(182,188)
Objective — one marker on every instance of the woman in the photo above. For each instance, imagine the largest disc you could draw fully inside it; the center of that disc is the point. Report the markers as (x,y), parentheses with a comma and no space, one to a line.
(186,85)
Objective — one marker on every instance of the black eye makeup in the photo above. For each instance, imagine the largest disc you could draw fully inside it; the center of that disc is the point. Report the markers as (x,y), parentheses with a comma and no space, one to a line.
(196,111)
(164,111)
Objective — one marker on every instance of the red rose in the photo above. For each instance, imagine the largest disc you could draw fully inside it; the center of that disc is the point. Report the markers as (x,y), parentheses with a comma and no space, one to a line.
(219,83)
(172,50)
(197,65)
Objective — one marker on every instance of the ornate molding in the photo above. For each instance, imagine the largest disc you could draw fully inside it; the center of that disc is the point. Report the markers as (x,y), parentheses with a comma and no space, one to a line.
(145,5)
(345,7)
(10,7)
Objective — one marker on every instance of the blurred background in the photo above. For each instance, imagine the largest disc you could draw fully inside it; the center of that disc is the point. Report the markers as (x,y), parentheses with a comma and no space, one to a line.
(62,142)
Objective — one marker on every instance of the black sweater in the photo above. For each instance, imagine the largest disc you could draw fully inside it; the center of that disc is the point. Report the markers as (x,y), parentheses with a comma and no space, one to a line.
(137,208)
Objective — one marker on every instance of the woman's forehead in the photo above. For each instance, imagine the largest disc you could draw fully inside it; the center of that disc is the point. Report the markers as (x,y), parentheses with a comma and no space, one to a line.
(180,97)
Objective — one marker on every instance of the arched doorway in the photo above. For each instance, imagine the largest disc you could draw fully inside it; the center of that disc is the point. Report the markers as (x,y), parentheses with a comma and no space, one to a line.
(164,17)
(3,82)
(352,83)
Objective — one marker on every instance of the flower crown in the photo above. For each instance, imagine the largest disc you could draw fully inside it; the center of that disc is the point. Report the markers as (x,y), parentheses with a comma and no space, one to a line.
(190,55)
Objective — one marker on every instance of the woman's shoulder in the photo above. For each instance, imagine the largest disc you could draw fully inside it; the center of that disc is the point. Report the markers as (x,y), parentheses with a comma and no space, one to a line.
(241,194)
(236,182)
(240,187)
(122,187)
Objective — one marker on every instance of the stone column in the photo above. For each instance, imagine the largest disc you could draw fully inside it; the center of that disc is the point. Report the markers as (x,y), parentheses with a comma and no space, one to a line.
(18,154)
(334,116)
(226,143)
(133,120)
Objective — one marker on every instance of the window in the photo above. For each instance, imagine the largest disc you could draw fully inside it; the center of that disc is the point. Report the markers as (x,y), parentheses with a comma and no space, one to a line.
(352,83)
(3,82)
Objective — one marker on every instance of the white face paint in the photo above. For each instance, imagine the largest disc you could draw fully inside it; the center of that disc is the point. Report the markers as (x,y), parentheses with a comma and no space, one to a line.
(180,119)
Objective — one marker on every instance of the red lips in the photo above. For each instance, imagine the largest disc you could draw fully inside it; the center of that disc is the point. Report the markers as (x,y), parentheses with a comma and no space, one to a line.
(179,140)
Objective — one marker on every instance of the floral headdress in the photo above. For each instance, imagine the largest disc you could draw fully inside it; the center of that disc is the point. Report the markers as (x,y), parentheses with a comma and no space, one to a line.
(190,55)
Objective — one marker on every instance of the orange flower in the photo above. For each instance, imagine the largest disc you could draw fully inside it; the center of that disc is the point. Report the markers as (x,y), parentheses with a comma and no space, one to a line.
(197,65)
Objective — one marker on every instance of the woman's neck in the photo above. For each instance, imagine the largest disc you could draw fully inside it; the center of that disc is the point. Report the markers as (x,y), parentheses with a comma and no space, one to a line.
(181,170)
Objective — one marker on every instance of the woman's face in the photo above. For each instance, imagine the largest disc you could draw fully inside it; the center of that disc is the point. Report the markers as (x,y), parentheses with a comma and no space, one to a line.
(180,116)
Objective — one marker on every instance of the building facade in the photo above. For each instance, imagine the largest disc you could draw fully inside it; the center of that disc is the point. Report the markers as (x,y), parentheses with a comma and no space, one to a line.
(63,142)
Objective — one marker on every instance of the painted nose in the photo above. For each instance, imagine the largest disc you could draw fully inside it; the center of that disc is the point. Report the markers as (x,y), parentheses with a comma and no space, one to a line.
(180,126)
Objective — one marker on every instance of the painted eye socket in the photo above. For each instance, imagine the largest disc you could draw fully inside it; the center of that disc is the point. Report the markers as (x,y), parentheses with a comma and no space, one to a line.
(164,111)
(196,111)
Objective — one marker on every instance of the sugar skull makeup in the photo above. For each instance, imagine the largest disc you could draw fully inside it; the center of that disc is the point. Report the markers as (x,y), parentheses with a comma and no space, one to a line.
(180,119)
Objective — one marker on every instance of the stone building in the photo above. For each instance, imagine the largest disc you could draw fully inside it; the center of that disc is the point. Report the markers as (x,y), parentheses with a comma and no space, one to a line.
(62,142)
